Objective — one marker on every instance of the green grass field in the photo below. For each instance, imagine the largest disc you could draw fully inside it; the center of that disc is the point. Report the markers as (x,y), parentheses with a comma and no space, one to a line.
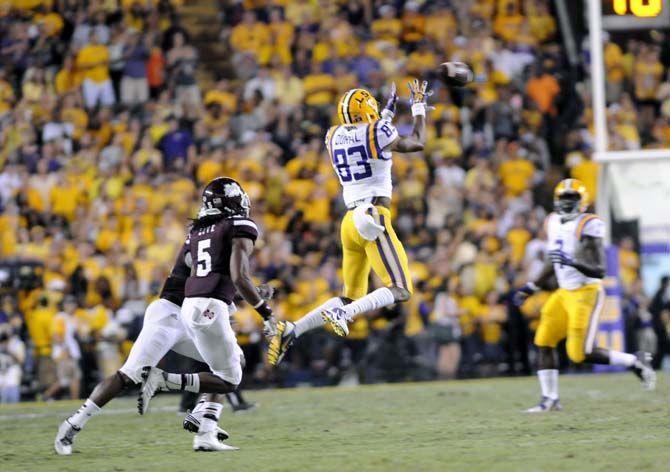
(609,424)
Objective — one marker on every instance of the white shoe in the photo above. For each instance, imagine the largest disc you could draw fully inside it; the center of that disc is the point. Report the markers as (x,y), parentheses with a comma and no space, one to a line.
(192,424)
(337,318)
(65,438)
(209,442)
(546,404)
(153,381)
(643,369)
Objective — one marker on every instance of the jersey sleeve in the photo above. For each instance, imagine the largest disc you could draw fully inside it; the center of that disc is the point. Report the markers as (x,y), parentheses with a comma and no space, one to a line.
(182,268)
(329,137)
(592,226)
(384,134)
(245,228)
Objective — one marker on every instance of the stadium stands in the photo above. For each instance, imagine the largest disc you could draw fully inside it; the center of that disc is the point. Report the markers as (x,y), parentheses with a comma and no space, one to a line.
(113,116)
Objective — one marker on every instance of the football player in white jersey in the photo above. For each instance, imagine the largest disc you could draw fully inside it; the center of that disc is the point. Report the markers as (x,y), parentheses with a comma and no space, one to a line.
(360,149)
(577,260)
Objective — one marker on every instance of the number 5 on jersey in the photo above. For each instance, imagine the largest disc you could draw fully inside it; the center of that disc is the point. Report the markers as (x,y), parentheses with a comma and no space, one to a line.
(204,265)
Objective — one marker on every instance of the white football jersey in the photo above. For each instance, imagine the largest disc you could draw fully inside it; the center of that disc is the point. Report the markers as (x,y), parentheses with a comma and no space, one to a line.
(565,236)
(359,159)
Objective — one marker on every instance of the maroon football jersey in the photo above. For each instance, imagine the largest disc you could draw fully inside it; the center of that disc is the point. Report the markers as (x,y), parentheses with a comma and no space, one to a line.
(210,246)
(173,288)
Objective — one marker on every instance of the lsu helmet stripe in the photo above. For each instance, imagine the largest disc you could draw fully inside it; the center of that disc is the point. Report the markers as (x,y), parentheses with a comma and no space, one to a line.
(582,223)
(345,115)
(369,138)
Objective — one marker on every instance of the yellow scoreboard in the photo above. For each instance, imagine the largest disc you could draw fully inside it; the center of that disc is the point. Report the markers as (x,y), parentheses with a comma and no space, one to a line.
(635,14)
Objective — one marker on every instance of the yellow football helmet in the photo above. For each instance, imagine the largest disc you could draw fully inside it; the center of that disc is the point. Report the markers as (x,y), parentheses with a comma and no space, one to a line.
(570,197)
(357,106)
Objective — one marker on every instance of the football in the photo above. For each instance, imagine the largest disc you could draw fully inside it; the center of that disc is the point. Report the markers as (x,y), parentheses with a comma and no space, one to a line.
(455,74)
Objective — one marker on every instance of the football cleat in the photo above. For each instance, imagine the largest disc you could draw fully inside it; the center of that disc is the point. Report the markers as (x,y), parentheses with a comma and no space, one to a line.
(337,318)
(208,442)
(642,368)
(65,438)
(192,424)
(153,380)
(546,404)
(280,342)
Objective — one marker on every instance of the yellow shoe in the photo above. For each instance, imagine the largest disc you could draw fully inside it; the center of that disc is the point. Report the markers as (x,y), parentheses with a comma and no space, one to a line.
(337,318)
(281,342)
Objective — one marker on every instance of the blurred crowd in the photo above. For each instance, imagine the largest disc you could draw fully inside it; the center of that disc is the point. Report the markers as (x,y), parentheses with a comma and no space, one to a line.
(113,115)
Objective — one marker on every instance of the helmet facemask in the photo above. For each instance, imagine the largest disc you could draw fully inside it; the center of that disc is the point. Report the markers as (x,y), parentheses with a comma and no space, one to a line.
(568,205)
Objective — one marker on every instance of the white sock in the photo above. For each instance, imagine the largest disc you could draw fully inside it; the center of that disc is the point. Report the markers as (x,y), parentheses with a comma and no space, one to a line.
(549,382)
(377,299)
(313,319)
(87,411)
(622,358)
(197,410)
(210,416)
(188,382)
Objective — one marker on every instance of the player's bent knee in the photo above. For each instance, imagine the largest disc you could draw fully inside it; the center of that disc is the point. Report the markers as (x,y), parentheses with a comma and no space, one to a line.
(576,354)
(231,379)
(126,380)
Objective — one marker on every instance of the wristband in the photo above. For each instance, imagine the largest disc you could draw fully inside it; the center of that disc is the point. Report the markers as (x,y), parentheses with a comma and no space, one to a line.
(532,286)
(419,109)
(263,309)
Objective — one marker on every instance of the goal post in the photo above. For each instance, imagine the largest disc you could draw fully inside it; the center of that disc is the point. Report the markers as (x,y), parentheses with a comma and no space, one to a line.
(631,186)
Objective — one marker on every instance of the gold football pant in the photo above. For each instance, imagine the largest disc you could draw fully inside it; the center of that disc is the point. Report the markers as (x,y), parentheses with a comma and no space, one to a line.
(572,314)
(385,255)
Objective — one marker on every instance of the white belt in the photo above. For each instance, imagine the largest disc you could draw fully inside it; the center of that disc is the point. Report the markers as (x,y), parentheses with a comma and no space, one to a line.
(362,201)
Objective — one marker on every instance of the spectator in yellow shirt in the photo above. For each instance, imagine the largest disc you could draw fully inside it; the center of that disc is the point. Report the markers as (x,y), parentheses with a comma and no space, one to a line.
(319,87)
(93,61)
(614,66)
(517,237)
(387,27)
(40,322)
(516,174)
(629,262)
(587,172)
(250,35)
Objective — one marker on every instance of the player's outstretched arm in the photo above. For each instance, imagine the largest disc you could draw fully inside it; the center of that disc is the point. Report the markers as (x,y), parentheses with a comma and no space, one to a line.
(241,276)
(415,142)
(591,261)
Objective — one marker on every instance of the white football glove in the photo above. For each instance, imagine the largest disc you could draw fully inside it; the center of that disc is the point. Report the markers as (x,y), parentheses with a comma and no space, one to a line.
(270,328)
